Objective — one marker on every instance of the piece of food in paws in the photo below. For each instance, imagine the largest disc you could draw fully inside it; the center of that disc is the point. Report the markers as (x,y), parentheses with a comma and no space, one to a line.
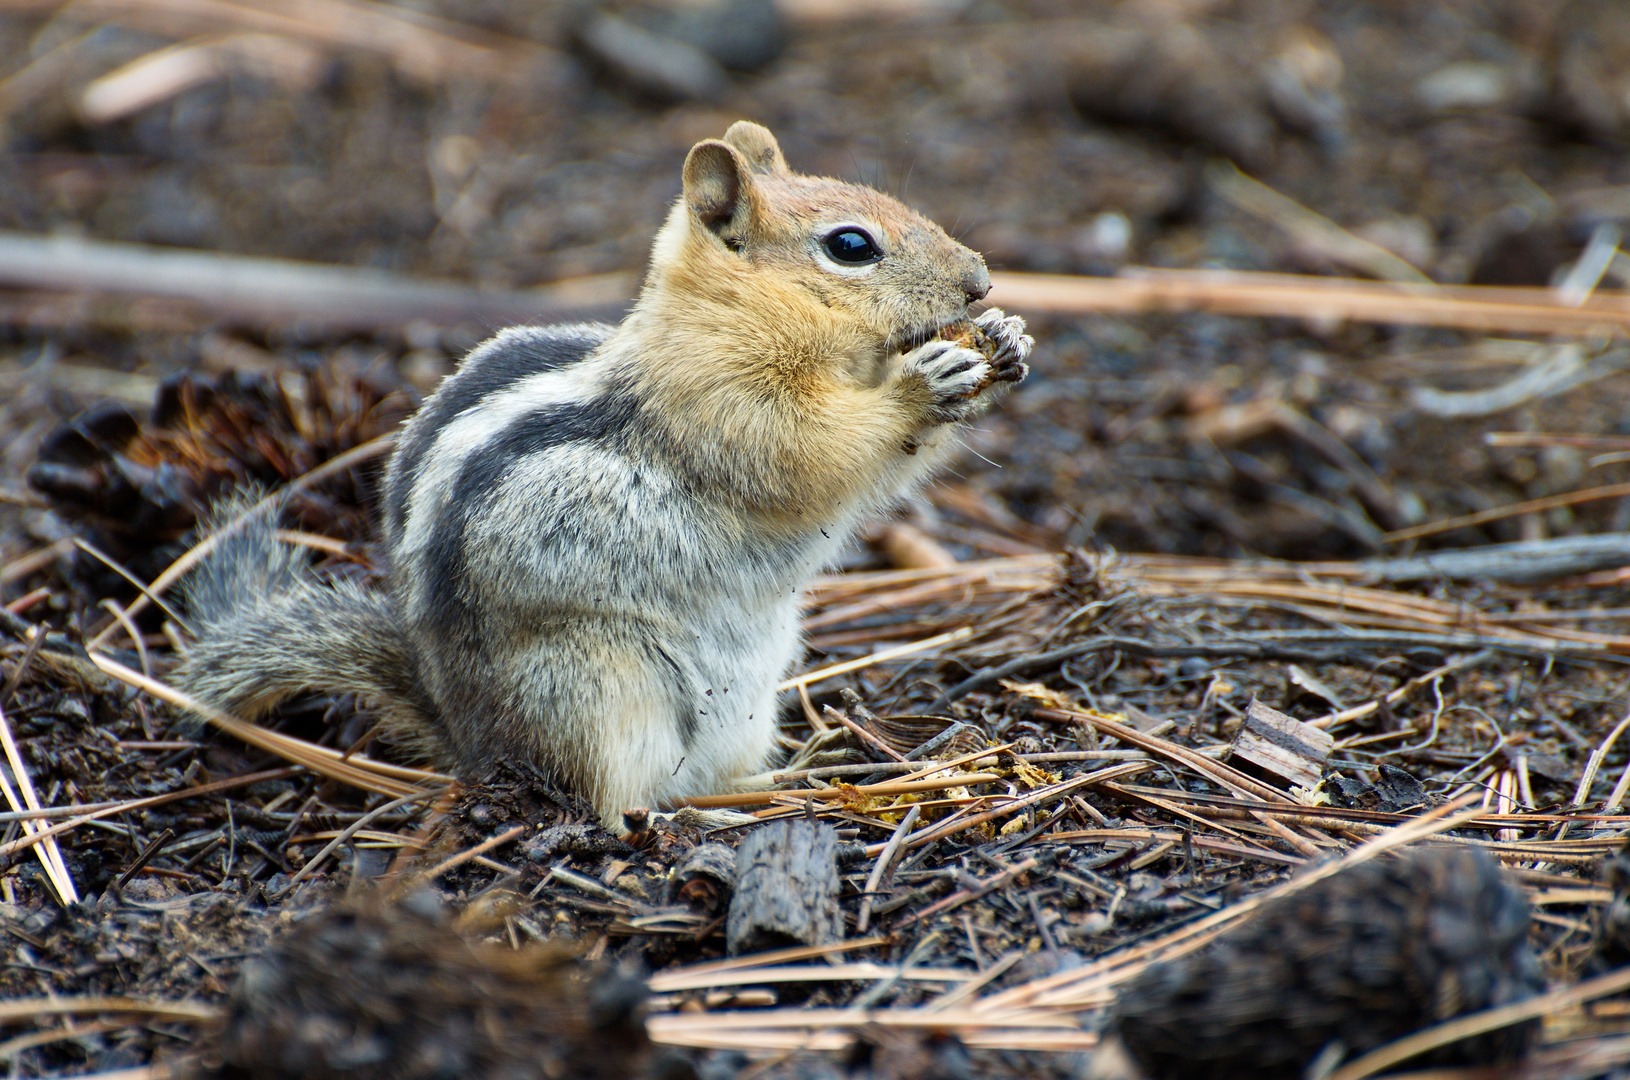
(969,335)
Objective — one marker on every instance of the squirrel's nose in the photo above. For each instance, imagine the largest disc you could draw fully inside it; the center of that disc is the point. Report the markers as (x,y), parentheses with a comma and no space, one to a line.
(976,281)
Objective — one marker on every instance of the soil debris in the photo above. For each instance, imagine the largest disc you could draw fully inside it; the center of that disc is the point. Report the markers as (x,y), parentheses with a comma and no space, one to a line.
(1352,962)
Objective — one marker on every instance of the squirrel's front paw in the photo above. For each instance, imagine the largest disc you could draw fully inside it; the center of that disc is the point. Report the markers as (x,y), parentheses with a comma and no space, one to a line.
(1011,345)
(954,376)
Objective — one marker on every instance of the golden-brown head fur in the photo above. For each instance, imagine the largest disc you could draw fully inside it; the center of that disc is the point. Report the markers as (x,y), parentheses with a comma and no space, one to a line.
(745,242)
(752,330)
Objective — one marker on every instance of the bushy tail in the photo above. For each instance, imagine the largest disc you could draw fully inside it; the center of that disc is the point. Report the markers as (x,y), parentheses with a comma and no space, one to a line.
(267,630)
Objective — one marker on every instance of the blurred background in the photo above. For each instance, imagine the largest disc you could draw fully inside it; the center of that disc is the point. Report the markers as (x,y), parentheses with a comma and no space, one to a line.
(499,145)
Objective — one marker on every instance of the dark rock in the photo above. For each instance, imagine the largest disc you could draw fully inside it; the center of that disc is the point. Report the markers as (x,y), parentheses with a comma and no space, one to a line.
(742,35)
(1176,80)
(651,63)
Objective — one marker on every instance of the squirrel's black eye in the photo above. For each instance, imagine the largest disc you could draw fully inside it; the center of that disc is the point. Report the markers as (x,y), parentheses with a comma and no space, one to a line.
(852,246)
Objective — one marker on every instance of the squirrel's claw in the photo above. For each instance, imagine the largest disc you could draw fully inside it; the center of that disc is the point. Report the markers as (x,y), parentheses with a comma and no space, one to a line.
(1013,345)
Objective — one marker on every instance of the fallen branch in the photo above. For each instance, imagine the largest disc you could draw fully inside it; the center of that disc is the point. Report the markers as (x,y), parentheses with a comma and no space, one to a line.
(420,46)
(268,291)
(264,292)
(1485,308)
(1523,563)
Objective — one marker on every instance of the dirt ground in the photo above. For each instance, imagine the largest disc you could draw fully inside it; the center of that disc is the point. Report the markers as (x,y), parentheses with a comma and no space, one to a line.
(1474,142)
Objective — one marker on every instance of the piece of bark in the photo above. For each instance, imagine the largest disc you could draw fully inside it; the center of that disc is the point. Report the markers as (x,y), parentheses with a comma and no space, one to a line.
(786,888)
(703,880)
(1280,748)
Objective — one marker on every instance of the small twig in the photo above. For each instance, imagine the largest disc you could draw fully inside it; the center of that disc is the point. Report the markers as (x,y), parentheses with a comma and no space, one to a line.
(828,1029)
(355,827)
(14,1046)
(1486,308)
(772,956)
(141,587)
(883,867)
(110,809)
(232,845)
(861,733)
(1310,228)
(815,722)
(24,565)
(272,292)
(1555,438)
(1087,984)
(963,896)
(365,773)
(1593,764)
(910,764)
(326,544)
(146,856)
(1255,649)
(16,679)
(26,601)
(465,856)
(670,981)
(112,607)
(1586,273)
(952,826)
(1500,513)
(958,995)
(1216,771)
(1616,799)
(50,855)
(21,1009)
(887,787)
(893,652)
(1358,712)
(586,884)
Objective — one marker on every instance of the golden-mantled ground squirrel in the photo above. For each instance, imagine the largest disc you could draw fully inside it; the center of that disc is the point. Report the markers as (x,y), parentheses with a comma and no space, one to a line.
(597,534)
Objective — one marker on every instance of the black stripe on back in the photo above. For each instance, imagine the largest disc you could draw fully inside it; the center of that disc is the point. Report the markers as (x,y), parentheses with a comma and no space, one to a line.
(491,367)
(601,422)
(687,720)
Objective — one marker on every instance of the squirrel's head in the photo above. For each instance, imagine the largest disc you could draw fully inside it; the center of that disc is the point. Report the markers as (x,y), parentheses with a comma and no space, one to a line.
(847,262)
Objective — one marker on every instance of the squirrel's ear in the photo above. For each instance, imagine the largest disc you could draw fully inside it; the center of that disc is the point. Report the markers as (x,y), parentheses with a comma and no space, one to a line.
(718,189)
(757,145)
